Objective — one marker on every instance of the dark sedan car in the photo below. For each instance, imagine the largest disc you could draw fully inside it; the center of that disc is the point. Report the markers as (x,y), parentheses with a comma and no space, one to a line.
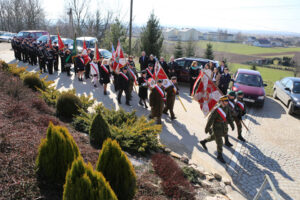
(184,65)
(251,83)
(288,91)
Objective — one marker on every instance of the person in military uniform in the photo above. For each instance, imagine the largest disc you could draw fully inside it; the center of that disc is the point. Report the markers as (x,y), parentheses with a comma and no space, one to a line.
(104,70)
(42,59)
(171,93)
(123,85)
(232,108)
(67,62)
(61,54)
(216,126)
(55,56)
(49,59)
(241,111)
(157,99)
(88,66)
(150,71)
(23,57)
(143,89)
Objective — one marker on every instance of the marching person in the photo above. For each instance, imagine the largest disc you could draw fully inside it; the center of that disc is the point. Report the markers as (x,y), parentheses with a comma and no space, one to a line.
(42,59)
(157,99)
(87,66)
(123,85)
(49,59)
(143,60)
(172,67)
(193,72)
(150,71)
(67,62)
(224,81)
(143,89)
(61,54)
(232,109)
(94,71)
(241,111)
(216,124)
(79,61)
(55,56)
(171,93)
(104,74)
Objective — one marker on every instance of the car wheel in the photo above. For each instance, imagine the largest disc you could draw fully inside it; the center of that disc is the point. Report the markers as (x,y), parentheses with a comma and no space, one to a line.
(290,108)
(275,94)
(261,104)
(9,41)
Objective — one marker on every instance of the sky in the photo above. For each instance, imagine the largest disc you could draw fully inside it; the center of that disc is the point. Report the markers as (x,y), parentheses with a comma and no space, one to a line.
(270,15)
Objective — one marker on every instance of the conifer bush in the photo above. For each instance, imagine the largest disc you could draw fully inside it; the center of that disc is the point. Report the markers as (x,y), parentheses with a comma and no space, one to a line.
(33,81)
(56,154)
(99,131)
(68,105)
(117,169)
(82,182)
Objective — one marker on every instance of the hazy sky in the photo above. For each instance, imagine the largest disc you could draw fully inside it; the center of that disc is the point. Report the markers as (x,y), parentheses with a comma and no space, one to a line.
(272,15)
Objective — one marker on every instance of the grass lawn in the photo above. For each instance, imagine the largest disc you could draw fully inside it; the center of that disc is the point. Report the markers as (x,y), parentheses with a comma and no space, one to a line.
(270,76)
(244,49)
(279,56)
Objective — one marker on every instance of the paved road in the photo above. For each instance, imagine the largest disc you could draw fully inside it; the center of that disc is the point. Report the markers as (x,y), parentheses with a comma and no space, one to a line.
(273,145)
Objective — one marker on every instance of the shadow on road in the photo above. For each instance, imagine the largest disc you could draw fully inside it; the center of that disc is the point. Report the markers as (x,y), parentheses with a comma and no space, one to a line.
(252,169)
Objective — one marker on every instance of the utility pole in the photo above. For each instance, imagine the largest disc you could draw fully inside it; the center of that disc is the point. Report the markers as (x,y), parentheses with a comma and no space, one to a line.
(71,22)
(130,26)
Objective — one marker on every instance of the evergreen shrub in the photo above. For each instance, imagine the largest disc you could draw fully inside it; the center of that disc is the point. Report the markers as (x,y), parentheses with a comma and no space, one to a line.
(33,81)
(68,105)
(82,182)
(117,169)
(56,154)
(99,131)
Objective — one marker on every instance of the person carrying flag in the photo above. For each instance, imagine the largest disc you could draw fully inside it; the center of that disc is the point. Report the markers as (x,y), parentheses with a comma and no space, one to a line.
(123,85)
(105,72)
(241,111)
(216,124)
(143,89)
(157,101)
(171,91)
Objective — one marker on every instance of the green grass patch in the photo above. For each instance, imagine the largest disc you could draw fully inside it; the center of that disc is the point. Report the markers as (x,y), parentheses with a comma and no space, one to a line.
(279,56)
(244,49)
(270,76)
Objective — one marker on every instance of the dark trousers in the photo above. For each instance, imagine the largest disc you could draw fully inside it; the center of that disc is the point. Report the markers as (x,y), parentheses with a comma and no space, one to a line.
(55,63)
(50,66)
(127,94)
(62,64)
(42,65)
(87,71)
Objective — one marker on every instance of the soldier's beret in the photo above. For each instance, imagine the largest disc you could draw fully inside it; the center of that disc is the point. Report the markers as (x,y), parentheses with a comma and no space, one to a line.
(231,93)
(144,72)
(240,92)
(159,81)
(224,98)
(124,68)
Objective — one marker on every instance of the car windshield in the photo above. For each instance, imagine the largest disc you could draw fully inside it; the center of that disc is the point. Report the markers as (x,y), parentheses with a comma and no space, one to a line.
(89,44)
(6,34)
(249,79)
(296,88)
(106,54)
(23,34)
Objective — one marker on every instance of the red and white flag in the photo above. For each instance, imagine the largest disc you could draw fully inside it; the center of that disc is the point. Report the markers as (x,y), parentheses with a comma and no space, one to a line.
(97,53)
(160,74)
(206,93)
(118,58)
(50,42)
(85,54)
(60,42)
(133,75)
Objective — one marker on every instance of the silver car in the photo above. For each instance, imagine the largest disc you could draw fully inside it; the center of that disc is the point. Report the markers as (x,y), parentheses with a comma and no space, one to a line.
(7,37)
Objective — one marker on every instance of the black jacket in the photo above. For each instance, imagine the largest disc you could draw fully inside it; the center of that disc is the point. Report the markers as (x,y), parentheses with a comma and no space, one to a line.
(143,62)
(224,81)
(123,83)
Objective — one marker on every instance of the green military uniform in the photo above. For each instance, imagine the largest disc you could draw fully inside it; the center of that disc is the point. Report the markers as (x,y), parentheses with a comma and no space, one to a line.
(232,109)
(241,111)
(157,103)
(217,126)
(171,92)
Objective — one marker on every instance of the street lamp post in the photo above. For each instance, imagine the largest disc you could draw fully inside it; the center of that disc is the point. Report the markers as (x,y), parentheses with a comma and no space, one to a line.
(130,26)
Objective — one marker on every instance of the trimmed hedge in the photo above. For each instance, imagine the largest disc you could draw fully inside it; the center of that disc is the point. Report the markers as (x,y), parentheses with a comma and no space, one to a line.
(56,153)
(99,131)
(68,105)
(33,81)
(83,183)
(117,169)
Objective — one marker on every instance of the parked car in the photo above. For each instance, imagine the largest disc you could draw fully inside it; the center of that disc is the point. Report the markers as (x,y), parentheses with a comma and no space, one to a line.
(89,42)
(31,34)
(105,53)
(67,41)
(251,83)
(7,37)
(287,90)
(45,38)
(184,65)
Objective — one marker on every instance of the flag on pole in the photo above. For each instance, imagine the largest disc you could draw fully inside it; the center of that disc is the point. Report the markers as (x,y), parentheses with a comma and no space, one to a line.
(119,59)
(97,52)
(85,54)
(49,41)
(160,74)
(206,93)
(60,42)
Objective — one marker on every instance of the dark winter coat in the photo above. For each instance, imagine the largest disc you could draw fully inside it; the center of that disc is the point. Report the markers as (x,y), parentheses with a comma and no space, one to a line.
(143,62)
(104,76)
(143,88)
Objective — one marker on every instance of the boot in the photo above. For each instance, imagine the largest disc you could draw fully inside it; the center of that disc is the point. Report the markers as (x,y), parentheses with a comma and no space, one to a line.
(145,104)
(227,143)
(119,101)
(240,137)
(141,103)
(220,158)
(203,143)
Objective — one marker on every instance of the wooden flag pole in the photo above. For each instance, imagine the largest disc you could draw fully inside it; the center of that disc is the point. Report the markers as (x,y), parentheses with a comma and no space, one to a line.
(181,103)
(245,126)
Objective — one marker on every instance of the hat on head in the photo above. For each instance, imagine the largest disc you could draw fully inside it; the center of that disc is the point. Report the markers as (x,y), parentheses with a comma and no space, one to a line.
(173,78)
(231,93)
(125,68)
(150,64)
(224,98)
(240,92)
(144,72)
(159,81)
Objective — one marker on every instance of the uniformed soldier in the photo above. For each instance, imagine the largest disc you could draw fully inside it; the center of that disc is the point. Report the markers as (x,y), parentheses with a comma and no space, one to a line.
(42,59)
(67,61)
(87,66)
(150,71)
(123,85)
(241,111)
(62,53)
(232,108)
(35,53)
(157,99)
(171,93)
(104,70)
(55,56)
(23,51)
(49,59)
(143,89)
(216,125)
(31,53)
